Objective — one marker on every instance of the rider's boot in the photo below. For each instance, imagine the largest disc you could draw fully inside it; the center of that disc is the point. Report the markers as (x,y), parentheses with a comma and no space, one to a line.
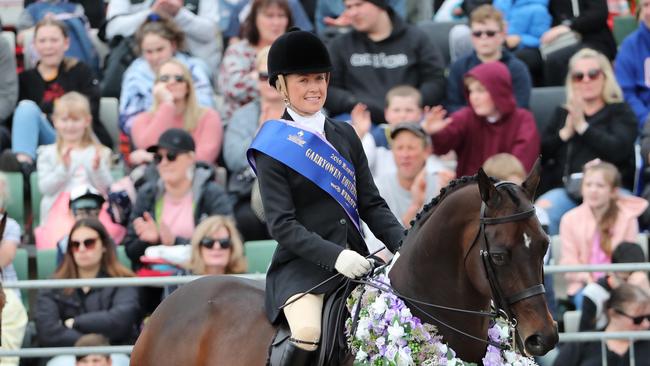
(295,356)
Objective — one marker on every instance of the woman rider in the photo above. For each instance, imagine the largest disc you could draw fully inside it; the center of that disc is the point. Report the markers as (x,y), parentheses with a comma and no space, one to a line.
(316,187)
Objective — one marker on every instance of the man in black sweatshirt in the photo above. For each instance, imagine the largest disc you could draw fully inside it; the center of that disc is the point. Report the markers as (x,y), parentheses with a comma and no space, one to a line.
(382,51)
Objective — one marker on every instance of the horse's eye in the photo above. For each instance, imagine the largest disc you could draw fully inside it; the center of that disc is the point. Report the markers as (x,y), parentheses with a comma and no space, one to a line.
(499,259)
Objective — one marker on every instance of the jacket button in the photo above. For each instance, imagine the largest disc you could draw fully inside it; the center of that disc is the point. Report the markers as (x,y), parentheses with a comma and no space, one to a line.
(342,222)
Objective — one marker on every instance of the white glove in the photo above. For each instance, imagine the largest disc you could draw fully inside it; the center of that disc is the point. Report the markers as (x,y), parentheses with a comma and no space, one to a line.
(352,264)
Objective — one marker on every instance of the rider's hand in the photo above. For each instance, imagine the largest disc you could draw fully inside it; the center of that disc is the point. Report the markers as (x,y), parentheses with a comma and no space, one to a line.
(352,264)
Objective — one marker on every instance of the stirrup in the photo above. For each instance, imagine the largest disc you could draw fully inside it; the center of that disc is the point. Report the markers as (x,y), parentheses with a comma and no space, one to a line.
(294,355)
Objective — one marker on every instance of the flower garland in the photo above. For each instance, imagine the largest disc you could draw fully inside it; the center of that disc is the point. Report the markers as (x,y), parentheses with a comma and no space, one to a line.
(387,334)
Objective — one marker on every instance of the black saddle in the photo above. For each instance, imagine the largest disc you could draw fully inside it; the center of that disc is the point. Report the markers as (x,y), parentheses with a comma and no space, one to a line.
(333,348)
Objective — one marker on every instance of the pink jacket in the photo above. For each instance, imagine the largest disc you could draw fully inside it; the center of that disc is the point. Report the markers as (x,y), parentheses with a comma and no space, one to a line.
(208,134)
(577,230)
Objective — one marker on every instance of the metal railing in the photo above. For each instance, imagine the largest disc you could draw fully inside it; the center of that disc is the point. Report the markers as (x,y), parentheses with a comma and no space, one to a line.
(179,280)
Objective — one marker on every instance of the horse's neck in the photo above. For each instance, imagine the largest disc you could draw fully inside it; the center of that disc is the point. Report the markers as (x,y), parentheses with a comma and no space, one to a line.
(431,265)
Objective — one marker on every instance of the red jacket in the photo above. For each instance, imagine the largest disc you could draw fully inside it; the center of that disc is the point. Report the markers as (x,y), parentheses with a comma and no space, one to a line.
(475,139)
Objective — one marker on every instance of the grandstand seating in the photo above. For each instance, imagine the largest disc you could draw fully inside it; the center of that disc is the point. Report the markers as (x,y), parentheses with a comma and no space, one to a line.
(21,265)
(109,116)
(623,26)
(259,254)
(543,102)
(36,195)
(16,205)
(438,33)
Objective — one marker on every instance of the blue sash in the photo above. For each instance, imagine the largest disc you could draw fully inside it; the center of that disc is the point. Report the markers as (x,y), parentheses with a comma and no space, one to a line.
(312,156)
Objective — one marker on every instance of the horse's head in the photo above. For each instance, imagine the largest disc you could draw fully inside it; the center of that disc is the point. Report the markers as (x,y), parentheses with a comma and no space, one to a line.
(512,246)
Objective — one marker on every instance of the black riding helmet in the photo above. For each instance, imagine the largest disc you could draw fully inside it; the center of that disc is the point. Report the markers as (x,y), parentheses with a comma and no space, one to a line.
(296,52)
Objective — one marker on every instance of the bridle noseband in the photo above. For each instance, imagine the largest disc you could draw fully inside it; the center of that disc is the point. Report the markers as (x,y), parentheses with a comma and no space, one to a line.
(502,301)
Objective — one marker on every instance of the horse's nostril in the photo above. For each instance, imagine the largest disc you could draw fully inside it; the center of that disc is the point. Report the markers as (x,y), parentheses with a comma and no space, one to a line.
(535,345)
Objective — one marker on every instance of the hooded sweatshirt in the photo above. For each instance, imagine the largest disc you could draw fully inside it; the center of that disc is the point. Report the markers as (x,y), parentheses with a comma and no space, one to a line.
(632,68)
(579,227)
(475,139)
(365,70)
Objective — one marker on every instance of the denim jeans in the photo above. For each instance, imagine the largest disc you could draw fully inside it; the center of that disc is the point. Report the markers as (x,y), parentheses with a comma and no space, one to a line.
(560,204)
(30,129)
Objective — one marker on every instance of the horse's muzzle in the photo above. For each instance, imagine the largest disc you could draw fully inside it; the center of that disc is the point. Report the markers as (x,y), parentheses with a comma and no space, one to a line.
(539,344)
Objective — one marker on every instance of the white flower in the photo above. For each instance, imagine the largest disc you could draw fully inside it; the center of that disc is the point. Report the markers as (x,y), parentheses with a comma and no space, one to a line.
(405,313)
(379,306)
(403,358)
(442,348)
(505,332)
(395,332)
(363,328)
(361,356)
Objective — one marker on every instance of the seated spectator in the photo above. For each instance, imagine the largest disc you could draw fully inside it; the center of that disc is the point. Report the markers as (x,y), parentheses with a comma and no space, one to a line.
(94,11)
(10,238)
(8,91)
(403,104)
(175,106)
(86,202)
(53,76)
(267,20)
(158,39)
(217,248)
(198,20)
(75,159)
(411,186)
(487,35)
(595,123)
(382,51)
(491,124)
(14,323)
(94,359)
(628,310)
(589,20)
(168,209)
(63,316)
(631,68)
(69,13)
(591,231)
(527,21)
(330,16)
(597,293)
(243,126)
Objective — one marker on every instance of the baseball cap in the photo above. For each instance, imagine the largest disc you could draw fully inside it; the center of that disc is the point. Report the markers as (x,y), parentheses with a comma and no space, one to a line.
(414,128)
(85,196)
(174,139)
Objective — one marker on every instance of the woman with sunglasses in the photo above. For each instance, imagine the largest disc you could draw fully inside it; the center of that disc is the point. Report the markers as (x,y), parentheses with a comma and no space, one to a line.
(158,39)
(62,316)
(217,248)
(168,209)
(628,310)
(594,123)
(317,227)
(243,126)
(175,106)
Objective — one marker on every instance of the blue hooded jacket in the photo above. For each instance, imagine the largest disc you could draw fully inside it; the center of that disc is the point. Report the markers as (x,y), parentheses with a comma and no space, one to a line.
(632,68)
(528,19)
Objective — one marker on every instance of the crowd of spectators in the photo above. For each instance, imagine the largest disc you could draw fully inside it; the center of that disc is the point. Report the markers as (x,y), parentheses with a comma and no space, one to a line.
(176,190)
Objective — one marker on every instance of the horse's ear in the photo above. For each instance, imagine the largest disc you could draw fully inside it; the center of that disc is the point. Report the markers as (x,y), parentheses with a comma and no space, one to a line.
(488,191)
(532,180)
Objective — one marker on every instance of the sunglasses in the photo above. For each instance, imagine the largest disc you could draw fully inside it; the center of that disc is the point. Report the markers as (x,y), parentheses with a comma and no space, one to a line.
(591,75)
(209,242)
(637,320)
(167,78)
(489,33)
(87,243)
(171,157)
(263,76)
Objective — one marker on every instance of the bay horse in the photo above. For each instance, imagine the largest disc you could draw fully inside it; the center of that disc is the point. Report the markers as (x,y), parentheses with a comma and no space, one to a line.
(475,242)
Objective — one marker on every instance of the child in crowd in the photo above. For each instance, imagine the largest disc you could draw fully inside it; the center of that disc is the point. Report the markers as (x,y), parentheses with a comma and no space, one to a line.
(75,159)
(491,124)
(591,231)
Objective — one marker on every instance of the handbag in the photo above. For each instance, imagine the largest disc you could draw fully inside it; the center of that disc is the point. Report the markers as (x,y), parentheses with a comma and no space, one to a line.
(565,40)
(572,182)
